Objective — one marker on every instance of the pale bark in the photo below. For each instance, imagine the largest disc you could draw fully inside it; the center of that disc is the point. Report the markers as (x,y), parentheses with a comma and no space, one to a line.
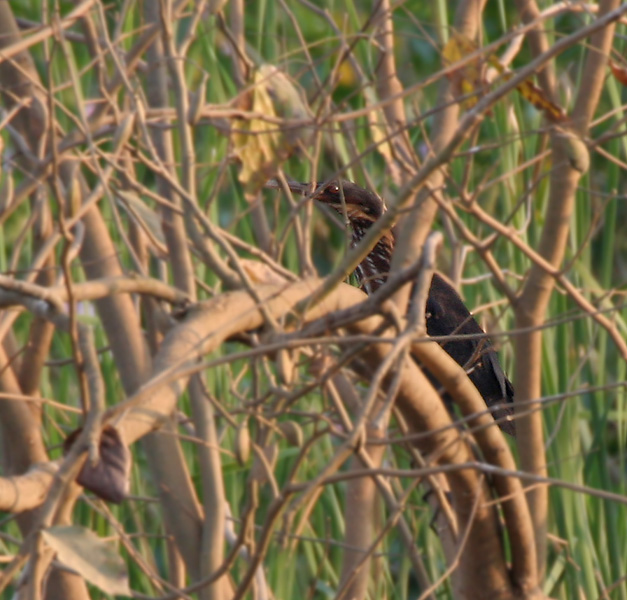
(534,298)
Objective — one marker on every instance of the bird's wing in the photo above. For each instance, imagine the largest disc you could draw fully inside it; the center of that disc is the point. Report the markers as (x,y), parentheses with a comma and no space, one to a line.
(446,314)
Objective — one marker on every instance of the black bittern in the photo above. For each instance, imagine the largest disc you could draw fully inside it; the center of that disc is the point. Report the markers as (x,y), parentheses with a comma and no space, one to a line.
(446,313)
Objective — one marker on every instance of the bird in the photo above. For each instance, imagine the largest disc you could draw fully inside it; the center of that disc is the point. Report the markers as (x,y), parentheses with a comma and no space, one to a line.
(445,312)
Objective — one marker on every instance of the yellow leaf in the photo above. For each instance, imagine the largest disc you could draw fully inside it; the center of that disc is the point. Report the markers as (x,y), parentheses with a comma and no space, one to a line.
(262,144)
(470,81)
(532,93)
(468,78)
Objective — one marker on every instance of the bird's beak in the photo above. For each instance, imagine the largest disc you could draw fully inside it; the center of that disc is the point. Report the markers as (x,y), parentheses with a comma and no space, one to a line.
(304,189)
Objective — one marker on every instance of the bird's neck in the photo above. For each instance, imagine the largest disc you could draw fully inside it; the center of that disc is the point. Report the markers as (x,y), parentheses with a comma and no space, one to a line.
(373,270)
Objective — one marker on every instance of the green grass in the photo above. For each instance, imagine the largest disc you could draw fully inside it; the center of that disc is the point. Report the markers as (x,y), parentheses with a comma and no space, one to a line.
(587,549)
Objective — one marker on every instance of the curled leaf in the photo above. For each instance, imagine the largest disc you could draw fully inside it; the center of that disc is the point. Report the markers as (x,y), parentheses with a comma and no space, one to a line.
(109,477)
(261,273)
(531,92)
(619,72)
(94,559)
(263,143)
(145,218)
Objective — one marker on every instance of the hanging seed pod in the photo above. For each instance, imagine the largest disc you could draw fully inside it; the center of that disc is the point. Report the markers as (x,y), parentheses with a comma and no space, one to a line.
(285,367)
(242,443)
(263,467)
(292,432)
(197,101)
(6,191)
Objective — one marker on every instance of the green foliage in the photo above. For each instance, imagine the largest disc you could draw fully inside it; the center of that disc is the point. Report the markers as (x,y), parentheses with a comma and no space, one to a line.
(586,428)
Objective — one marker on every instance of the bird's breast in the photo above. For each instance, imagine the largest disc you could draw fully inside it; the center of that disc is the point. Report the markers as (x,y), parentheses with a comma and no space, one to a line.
(373,270)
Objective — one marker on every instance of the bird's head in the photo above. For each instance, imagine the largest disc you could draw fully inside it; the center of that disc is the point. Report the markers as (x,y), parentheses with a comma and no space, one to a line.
(362,208)
(342,195)
(359,202)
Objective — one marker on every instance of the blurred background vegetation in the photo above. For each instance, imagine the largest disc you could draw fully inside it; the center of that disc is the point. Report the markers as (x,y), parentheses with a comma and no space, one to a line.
(327,56)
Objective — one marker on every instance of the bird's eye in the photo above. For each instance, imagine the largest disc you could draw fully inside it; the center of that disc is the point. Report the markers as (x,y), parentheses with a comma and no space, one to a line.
(333,188)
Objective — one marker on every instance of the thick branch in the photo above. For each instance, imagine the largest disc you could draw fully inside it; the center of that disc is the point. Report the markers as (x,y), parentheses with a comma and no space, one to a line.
(532,306)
